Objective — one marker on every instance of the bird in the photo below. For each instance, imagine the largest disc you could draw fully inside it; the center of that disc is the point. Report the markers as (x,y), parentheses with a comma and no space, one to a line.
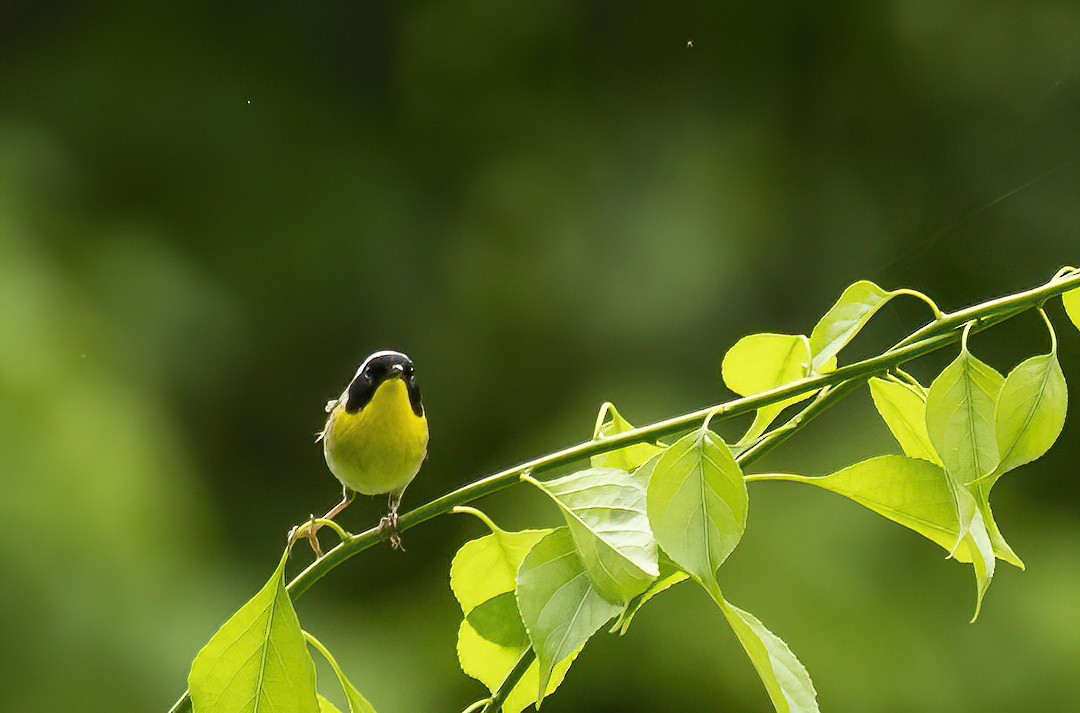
(376,436)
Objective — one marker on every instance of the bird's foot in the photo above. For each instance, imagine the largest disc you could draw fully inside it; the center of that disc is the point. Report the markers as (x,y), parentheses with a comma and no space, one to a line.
(388,530)
(309,530)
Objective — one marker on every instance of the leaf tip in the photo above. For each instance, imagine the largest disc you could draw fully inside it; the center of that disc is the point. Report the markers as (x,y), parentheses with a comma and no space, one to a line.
(545,678)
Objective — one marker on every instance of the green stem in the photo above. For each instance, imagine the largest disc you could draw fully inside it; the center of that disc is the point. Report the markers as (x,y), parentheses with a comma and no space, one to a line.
(937,334)
(778,435)
(320,648)
(1063,281)
(511,680)
(925,299)
(482,703)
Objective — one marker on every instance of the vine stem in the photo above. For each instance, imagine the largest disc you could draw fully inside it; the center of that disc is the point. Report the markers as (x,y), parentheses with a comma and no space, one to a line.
(833,386)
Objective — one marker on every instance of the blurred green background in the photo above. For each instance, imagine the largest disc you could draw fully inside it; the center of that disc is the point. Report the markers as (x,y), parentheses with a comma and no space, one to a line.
(210,212)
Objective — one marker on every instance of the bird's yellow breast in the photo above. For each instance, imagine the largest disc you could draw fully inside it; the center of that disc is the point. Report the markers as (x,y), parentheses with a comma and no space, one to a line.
(379,448)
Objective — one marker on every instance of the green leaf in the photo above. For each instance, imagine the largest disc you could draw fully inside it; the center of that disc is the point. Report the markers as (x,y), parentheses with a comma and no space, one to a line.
(960,417)
(325,706)
(761,362)
(977,542)
(919,496)
(486,567)
(1071,300)
(697,504)
(605,511)
(490,663)
(909,491)
(558,602)
(498,621)
(492,637)
(786,679)
(1030,411)
(643,473)
(1002,550)
(257,662)
(627,458)
(670,575)
(903,408)
(357,702)
(844,319)
(916,494)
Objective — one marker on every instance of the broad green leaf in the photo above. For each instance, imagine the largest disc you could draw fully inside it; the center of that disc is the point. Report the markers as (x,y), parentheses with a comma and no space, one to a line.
(498,621)
(357,702)
(761,362)
(627,458)
(670,575)
(325,706)
(912,492)
(1030,411)
(844,319)
(903,408)
(257,662)
(1002,550)
(605,511)
(558,603)
(486,567)
(697,504)
(960,417)
(977,541)
(492,637)
(490,663)
(643,473)
(1071,300)
(786,679)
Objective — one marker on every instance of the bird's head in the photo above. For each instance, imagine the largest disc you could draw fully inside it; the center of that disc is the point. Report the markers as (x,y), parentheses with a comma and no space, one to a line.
(378,369)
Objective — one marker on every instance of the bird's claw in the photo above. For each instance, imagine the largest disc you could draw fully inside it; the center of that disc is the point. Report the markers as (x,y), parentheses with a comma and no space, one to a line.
(309,530)
(388,530)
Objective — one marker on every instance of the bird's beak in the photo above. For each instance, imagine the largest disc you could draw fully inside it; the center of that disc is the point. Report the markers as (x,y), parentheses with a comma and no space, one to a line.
(397,370)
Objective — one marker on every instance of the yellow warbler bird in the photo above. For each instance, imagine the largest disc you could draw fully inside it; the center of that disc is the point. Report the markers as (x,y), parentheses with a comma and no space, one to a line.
(376,435)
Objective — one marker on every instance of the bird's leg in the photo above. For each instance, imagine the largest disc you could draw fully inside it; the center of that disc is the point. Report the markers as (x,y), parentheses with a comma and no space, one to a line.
(313,527)
(388,524)
(347,496)
(312,535)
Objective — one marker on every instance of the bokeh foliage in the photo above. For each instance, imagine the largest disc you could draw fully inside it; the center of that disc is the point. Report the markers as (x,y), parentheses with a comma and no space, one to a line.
(210,212)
